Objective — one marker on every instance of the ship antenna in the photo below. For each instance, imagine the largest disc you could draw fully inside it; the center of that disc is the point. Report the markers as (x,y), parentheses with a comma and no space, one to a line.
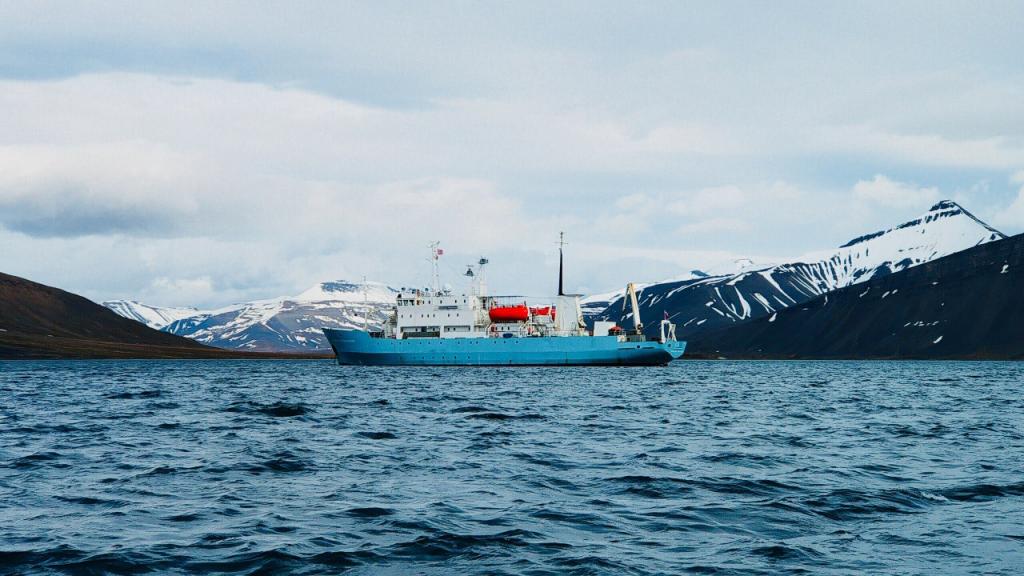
(481,278)
(561,244)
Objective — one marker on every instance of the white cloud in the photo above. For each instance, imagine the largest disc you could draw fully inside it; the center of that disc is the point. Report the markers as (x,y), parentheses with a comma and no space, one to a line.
(185,289)
(1012,217)
(886,192)
(641,202)
(258,190)
(709,201)
(714,226)
(118,187)
(935,149)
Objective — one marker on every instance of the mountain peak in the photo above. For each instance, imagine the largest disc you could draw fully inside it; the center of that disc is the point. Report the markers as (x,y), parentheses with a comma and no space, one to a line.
(941,210)
(946,205)
(348,291)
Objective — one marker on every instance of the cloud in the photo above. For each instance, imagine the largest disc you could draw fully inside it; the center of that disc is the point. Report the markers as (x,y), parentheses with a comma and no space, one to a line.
(265,185)
(709,201)
(714,226)
(185,289)
(119,188)
(1012,216)
(886,192)
(929,149)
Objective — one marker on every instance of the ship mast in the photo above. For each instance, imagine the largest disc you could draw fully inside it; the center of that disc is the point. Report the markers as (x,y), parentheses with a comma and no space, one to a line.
(435,252)
(481,279)
(561,244)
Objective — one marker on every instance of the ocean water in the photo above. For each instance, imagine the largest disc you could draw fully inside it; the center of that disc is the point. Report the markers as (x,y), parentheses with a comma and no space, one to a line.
(306,467)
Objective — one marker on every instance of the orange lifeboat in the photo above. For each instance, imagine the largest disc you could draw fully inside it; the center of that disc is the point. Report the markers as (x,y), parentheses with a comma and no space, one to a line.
(543,311)
(518,313)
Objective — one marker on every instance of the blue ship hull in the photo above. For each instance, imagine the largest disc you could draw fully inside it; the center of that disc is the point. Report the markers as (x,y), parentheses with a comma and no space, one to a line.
(358,348)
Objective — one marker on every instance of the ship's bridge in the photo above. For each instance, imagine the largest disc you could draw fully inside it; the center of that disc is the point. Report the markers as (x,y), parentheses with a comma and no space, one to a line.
(442,314)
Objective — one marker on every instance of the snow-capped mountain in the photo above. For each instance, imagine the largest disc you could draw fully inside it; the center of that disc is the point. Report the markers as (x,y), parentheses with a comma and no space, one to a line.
(702,303)
(290,324)
(153,316)
(965,305)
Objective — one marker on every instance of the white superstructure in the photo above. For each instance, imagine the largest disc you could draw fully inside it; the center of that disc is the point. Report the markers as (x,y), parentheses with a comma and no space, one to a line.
(444,314)
(438,312)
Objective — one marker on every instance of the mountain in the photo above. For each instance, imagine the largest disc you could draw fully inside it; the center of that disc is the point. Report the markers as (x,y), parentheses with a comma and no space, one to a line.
(290,324)
(38,321)
(592,306)
(966,305)
(153,316)
(698,304)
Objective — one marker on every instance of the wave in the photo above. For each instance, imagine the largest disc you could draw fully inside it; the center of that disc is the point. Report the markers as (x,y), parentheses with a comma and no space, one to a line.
(502,416)
(469,409)
(274,410)
(282,461)
(982,492)
(666,486)
(850,504)
(140,395)
(377,435)
(47,458)
(445,545)
(801,554)
(369,512)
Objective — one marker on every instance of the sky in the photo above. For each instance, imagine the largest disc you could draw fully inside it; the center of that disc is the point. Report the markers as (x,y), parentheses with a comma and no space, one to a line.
(205,153)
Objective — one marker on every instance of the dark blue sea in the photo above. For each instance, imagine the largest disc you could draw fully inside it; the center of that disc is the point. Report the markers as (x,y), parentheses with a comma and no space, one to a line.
(305,467)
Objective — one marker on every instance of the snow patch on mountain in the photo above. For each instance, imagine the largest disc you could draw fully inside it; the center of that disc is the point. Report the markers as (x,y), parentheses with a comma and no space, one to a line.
(596,303)
(341,291)
(153,316)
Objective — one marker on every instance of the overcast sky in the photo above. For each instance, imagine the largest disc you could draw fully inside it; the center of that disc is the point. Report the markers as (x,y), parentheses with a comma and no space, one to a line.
(204,153)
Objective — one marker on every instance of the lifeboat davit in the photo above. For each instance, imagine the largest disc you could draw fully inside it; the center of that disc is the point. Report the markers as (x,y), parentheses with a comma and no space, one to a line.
(518,313)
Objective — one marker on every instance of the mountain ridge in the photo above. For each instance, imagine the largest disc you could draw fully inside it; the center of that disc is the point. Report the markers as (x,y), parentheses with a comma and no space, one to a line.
(927,311)
(700,304)
(290,323)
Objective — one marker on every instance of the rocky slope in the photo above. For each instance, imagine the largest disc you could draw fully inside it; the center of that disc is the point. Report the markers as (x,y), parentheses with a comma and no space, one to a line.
(38,321)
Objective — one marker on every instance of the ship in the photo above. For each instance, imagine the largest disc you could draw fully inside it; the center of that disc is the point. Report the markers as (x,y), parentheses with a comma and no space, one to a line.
(435,326)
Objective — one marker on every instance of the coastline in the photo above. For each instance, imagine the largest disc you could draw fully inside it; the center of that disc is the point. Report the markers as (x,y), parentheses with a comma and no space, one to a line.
(15,346)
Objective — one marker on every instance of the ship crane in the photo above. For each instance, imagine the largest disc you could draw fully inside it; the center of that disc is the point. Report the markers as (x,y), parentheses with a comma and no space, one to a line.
(638,326)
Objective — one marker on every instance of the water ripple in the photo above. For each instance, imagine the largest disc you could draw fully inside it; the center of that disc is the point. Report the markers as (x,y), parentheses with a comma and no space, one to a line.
(699,468)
